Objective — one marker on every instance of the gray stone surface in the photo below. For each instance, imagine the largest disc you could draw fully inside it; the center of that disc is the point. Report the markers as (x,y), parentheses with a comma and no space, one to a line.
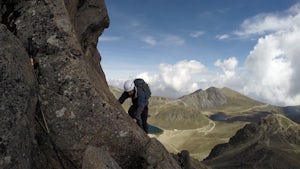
(97,158)
(18,98)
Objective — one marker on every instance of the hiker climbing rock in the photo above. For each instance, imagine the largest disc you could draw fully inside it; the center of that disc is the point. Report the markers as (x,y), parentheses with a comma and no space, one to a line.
(139,92)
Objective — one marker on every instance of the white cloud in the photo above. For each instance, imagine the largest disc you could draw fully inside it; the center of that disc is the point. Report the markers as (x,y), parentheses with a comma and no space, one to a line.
(149,40)
(187,76)
(173,80)
(228,66)
(163,40)
(261,24)
(222,37)
(197,34)
(270,22)
(273,64)
(178,76)
(274,68)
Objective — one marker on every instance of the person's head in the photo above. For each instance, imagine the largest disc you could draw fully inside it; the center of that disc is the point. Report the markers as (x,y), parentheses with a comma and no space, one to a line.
(129,87)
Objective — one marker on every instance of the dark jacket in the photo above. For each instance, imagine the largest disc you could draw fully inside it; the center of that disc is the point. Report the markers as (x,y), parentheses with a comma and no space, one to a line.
(139,100)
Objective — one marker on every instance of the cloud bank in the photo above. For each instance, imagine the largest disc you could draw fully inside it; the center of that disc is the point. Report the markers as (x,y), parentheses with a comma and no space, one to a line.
(273,64)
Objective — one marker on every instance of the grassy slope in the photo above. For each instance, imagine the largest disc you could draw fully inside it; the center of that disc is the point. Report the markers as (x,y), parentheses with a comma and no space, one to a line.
(238,104)
(178,117)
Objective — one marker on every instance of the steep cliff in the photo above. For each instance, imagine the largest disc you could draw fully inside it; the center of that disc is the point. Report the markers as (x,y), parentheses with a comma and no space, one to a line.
(58,111)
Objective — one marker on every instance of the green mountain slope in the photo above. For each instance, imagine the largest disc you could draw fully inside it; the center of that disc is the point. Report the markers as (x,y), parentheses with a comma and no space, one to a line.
(179,117)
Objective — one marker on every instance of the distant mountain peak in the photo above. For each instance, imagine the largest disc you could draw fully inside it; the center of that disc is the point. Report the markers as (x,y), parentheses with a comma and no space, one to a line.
(201,90)
(205,99)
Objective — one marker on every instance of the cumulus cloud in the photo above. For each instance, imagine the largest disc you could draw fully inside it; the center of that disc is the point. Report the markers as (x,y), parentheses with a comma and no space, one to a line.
(262,24)
(172,80)
(274,68)
(178,79)
(163,40)
(270,22)
(228,76)
(187,76)
(197,34)
(228,64)
(149,40)
(222,37)
(179,75)
(273,64)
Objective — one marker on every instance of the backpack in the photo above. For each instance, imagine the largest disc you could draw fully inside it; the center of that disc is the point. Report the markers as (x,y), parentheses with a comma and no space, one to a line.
(141,84)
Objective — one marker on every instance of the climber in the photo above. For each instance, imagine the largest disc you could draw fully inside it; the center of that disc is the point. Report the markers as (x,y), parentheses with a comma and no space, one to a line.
(139,92)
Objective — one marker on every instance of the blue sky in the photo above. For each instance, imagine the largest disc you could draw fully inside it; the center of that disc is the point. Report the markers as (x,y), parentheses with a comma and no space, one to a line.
(181,46)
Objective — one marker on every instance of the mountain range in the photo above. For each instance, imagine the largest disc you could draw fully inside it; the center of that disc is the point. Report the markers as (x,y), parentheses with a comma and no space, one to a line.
(206,119)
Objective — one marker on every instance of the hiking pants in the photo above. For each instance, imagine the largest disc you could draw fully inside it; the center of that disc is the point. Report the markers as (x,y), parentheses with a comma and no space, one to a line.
(141,119)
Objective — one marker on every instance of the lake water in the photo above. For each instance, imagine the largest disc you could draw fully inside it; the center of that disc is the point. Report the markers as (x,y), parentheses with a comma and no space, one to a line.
(154,129)
(255,117)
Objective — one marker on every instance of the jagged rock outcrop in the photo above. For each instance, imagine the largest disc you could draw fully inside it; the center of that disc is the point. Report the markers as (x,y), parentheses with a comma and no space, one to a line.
(186,162)
(205,99)
(52,111)
(273,143)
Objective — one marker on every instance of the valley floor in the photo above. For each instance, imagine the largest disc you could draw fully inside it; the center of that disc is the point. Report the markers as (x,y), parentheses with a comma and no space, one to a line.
(199,141)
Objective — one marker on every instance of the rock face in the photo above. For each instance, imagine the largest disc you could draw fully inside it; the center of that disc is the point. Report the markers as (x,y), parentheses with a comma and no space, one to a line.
(18,101)
(53,110)
(273,143)
(97,158)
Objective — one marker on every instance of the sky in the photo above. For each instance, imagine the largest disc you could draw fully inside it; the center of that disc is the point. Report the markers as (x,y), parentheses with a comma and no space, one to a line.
(178,46)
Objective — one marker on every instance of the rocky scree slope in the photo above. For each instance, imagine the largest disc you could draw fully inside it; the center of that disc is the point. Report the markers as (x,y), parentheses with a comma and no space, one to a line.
(58,112)
(273,143)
